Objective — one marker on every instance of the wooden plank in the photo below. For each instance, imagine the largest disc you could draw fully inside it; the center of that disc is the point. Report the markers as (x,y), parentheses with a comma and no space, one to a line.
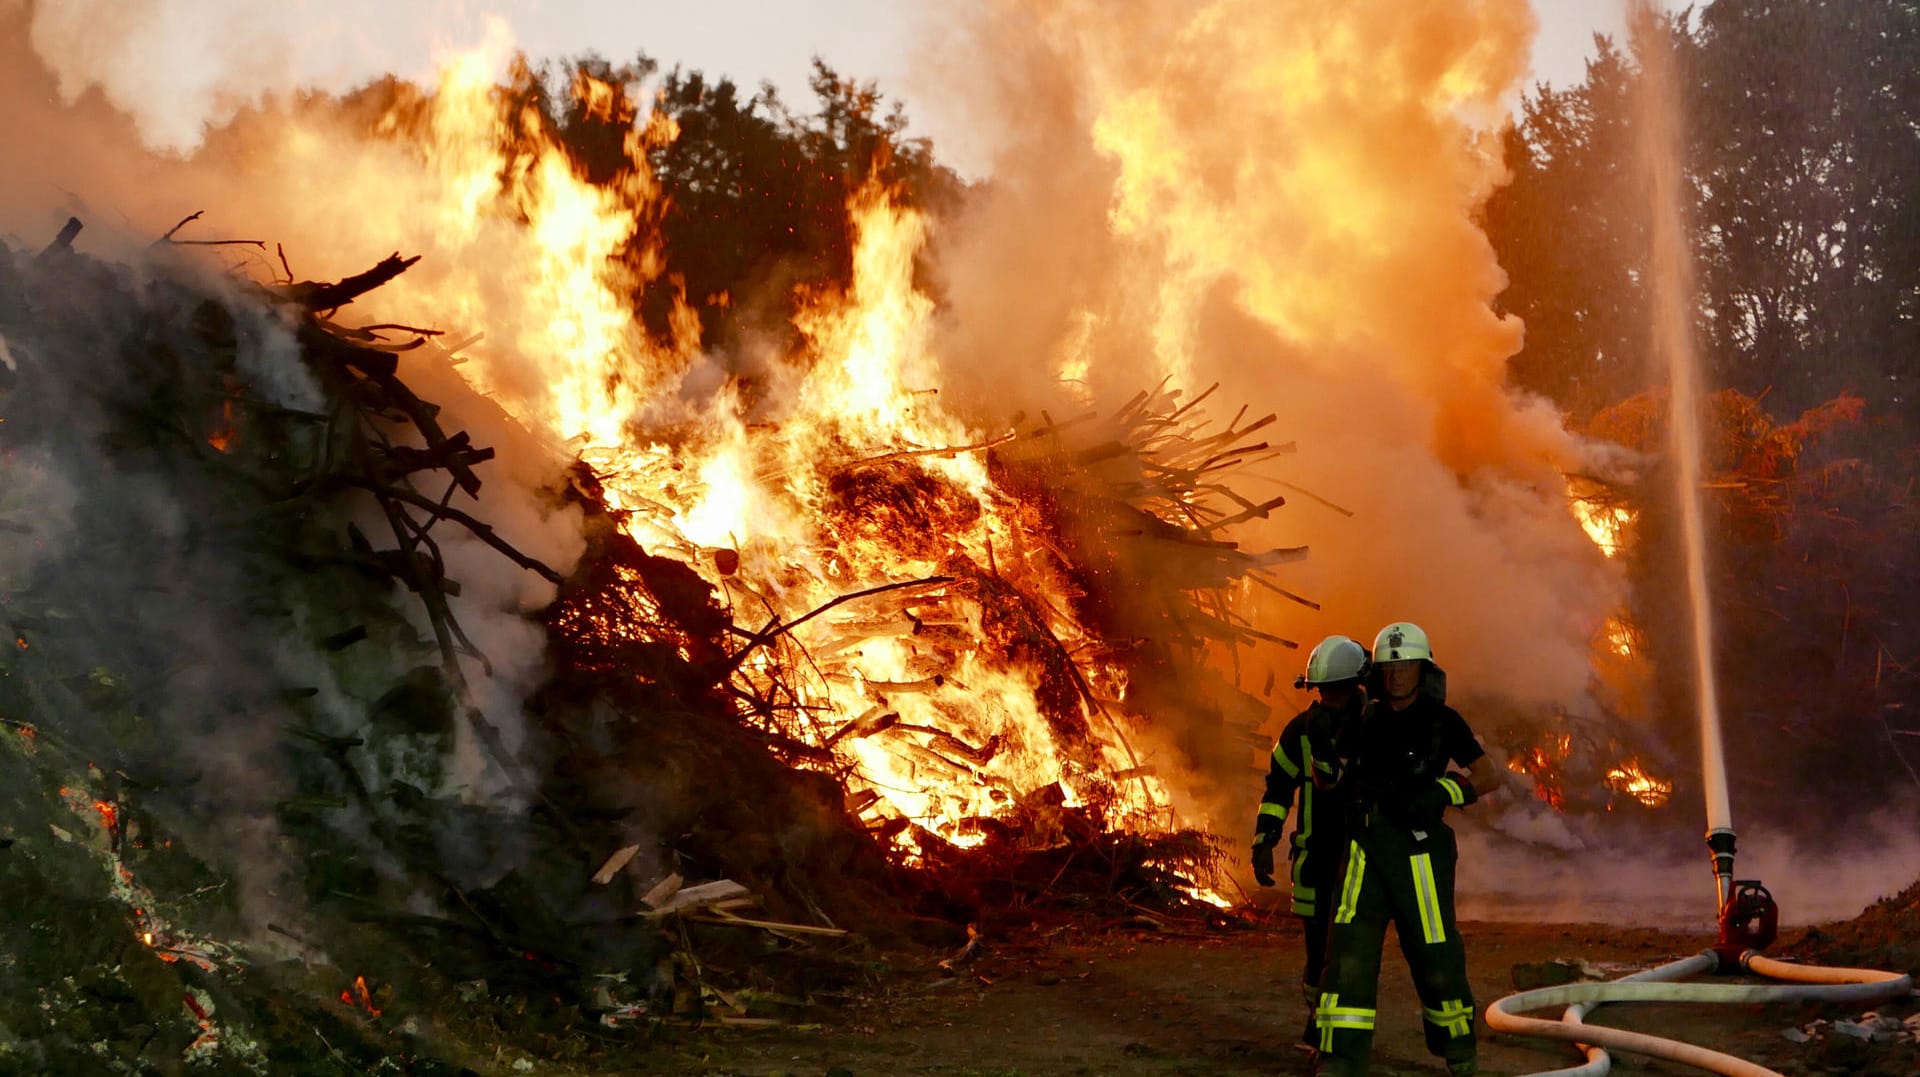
(661,891)
(613,864)
(721,916)
(694,897)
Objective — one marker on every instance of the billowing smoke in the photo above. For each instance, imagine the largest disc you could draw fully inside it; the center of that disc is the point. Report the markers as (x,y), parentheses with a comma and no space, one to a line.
(1281,198)
(181,600)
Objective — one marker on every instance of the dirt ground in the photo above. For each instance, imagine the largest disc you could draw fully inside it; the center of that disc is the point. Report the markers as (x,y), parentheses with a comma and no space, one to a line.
(1189,1000)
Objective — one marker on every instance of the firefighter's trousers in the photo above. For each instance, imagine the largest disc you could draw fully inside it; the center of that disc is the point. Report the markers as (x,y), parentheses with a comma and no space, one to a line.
(1406,878)
(1314,865)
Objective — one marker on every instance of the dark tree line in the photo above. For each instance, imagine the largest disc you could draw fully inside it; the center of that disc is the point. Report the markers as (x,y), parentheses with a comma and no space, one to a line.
(1802,121)
(1802,145)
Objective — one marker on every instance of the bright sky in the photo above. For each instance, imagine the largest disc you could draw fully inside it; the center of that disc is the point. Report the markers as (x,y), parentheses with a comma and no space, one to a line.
(338,43)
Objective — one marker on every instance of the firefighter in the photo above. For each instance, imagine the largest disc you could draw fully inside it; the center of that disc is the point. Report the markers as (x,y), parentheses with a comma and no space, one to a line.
(1301,762)
(1399,860)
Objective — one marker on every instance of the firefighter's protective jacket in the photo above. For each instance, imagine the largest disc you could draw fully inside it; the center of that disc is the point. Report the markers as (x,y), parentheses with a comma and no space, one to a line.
(1295,772)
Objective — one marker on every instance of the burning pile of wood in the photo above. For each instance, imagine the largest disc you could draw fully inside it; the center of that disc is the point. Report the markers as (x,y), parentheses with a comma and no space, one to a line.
(1102,609)
(680,743)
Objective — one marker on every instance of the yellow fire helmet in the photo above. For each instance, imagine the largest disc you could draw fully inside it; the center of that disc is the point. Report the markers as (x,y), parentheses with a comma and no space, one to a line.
(1402,642)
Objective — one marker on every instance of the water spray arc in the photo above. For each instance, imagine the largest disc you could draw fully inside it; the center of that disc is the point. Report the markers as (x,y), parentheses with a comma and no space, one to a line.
(1745,911)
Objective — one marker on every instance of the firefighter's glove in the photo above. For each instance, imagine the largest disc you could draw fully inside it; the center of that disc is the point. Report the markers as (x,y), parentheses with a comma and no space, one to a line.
(1424,806)
(1263,862)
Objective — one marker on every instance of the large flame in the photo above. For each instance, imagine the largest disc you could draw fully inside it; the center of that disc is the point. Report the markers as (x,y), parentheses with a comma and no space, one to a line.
(1277,195)
(793,500)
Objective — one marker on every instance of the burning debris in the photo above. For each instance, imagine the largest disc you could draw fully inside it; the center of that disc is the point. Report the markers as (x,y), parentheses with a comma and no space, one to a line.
(944,686)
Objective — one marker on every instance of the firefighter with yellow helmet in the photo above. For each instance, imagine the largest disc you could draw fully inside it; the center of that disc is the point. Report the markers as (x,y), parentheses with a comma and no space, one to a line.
(1394,787)
(1301,769)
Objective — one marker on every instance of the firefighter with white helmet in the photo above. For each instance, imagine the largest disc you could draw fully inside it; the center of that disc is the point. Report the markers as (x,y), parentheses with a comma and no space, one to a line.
(1301,768)
(1398,867)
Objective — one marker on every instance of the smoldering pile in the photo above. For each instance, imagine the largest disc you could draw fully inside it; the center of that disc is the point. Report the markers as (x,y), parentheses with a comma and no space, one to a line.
(261,814)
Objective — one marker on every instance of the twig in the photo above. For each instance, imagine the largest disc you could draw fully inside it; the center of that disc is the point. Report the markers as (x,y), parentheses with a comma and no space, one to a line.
(260,243)
(1310,494)
(776,630)
(189,219)
(1281,591)
(1888,727)
(952,450)
(483,531)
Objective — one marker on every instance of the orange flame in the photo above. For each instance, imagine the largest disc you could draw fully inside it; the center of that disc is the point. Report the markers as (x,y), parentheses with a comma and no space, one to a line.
(1630,778)
(969,736)
(222,437)
(1607,525)
(359,996)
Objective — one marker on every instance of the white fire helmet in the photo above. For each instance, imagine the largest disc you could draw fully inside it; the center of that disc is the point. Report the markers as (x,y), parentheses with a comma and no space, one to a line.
(1402,642)
(1336,659)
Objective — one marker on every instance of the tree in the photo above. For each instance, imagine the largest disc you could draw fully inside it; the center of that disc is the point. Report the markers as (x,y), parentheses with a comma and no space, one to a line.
(1571,231)
(1806,120)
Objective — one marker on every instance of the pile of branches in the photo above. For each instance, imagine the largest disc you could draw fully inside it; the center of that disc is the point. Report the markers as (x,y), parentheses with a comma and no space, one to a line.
(327,688)
(258,819)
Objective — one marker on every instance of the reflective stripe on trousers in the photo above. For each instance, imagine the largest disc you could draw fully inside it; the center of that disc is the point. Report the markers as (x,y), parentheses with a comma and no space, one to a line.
(1454,1015)
(1426,895)
(1350,890)
(1330,1016)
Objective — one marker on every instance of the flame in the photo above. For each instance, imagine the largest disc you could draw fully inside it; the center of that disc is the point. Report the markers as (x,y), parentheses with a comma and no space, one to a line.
(1541,762)
(1630,778)
(1619,636)
(365,996)
(109,814)
(796,504)
(1607,525)
(1555,766)
(223,435)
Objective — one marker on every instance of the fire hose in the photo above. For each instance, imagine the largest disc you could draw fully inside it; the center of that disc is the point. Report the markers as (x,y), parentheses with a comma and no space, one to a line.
(1806,983)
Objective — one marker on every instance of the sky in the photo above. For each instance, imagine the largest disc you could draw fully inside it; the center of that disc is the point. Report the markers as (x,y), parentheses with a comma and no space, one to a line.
(339,43)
